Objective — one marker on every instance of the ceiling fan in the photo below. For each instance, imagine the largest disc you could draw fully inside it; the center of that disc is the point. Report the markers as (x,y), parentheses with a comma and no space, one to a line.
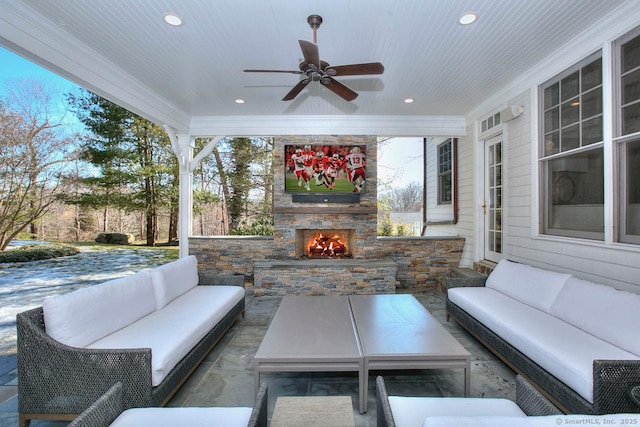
(316,70)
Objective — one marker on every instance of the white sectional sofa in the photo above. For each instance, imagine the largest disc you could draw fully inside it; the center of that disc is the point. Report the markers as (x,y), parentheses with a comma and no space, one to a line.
(108,411)
(530,409)
(410,411)
(578,341)
(148,331)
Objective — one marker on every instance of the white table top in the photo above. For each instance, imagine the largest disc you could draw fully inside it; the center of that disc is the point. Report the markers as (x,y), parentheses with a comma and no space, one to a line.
(311,328)
(399,326)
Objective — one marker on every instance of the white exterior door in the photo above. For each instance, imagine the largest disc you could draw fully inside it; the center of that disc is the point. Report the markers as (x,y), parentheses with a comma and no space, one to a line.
(492,206)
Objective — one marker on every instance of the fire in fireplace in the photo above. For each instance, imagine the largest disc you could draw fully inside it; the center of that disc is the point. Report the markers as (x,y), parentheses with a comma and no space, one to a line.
(328,243)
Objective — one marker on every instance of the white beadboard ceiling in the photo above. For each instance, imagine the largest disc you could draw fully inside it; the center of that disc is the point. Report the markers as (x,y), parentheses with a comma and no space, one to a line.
(196,69)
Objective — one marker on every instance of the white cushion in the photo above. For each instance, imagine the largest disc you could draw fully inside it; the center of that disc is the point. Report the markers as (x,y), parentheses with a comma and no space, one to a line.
(411,411)
(602,311)
(175,329)
(177,417)
(533,286)
(174,279)
(543,421)
(89,314)
(562,349)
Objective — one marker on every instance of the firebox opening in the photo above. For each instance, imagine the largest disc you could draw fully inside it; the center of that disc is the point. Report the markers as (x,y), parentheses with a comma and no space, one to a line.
(330,243)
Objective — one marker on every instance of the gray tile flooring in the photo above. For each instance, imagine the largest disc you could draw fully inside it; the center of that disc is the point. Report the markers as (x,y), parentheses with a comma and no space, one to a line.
(225,378)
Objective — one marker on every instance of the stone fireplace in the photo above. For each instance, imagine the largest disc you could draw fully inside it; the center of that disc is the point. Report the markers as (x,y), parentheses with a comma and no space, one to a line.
(282,265)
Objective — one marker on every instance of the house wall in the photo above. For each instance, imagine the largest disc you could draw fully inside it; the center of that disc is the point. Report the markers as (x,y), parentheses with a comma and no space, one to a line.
(606,262)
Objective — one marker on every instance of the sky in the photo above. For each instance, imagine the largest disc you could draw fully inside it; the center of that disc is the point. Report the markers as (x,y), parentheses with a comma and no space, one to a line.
(400,162)
(13,66)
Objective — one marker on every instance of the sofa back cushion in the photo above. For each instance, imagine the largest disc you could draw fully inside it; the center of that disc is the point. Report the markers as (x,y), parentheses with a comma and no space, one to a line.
(530,285)
(86,315)
(602,311)
(174,279)
(538,421)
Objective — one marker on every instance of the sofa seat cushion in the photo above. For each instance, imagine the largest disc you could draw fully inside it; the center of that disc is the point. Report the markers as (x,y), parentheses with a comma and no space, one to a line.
(86,315)
(174,279)
(602,311)
(411,411)
(533,286)
(192,416)
(562,349)
(175,329)
(542,421)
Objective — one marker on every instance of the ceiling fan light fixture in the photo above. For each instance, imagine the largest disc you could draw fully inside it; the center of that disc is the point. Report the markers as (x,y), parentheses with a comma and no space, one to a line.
(468,18)
(172,19)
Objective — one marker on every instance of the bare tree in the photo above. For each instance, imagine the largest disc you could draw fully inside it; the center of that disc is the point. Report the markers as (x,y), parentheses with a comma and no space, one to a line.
(33,154)
(407,199)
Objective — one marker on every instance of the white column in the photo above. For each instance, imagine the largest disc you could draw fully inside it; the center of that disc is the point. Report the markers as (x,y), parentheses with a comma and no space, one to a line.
(185,154)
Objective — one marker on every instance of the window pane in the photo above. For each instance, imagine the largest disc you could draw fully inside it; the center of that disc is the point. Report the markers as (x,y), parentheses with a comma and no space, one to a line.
(631,87)
(569,86)
(576,185)
(551,144)
(592,131)
(631,119)
(592,103)
(633,189)
(570,138)
(592,75)
(570,112)
(552,120)
(551,96)
(631,55)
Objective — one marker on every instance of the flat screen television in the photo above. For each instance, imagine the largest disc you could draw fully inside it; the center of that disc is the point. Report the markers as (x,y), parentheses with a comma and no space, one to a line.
(338,169)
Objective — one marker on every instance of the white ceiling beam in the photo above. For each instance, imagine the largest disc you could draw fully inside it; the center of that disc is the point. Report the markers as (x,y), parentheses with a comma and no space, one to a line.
(329,125)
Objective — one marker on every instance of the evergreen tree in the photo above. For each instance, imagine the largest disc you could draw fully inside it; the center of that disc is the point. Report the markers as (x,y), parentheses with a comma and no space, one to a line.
(136,170)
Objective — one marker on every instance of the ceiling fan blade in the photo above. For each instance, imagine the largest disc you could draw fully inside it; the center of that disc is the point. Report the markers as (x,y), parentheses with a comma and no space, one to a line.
(310,52)
(356,69)
(273,71)
(296,90)
(339,89)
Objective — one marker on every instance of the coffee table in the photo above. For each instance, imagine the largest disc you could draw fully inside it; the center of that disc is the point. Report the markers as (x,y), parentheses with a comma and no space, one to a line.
(311,334)
(397,332)
(357,333)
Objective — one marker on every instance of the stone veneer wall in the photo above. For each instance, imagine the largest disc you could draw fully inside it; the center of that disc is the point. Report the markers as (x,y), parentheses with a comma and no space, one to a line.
(420,260)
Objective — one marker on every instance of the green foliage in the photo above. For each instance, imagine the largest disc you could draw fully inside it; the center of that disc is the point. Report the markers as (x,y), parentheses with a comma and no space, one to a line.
(401,230)
(260,227)
(37,252)
(136,169)
(385,228)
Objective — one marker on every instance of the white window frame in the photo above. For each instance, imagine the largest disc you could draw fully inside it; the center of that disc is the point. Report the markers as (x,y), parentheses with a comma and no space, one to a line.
(545,188)
(621,142)
(448,172)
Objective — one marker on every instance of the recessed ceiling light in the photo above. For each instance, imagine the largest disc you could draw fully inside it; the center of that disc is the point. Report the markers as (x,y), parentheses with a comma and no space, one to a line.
(468,18)
(172,19)
(408,100)
(239,101)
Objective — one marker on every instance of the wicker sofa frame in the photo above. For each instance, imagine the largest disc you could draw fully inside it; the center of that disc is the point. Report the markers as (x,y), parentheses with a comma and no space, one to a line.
(58,382)
(108,406)
(528,398)
(615,382)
